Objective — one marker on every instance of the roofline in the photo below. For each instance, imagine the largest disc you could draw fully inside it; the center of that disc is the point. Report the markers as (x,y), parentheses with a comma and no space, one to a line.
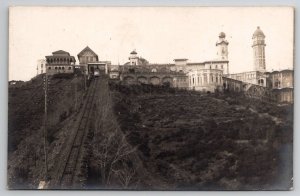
(180,59)
(87,47)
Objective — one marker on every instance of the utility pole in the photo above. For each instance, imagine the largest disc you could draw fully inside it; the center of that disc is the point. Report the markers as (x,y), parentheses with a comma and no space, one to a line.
(84,73)
(75,92)
(45,125)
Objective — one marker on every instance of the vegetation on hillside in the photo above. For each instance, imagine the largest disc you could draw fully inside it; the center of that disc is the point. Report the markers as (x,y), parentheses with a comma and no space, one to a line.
(207,141)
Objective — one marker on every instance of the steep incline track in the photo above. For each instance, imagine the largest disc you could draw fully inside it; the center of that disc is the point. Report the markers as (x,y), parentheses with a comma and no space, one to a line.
(65,176)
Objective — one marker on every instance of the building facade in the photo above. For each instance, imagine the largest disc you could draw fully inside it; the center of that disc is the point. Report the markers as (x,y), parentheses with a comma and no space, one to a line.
(259,50)
(258,75)
(201,76)
(206,80)
(41,66)
(60,62)
(282,83)
(85,57)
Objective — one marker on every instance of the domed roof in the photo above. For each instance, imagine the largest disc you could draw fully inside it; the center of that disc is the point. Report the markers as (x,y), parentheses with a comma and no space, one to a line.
(133,52)
(258,32)
(222,35)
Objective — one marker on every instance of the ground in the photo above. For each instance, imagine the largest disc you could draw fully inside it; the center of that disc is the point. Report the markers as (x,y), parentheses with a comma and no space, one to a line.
(206,141)
(151,137)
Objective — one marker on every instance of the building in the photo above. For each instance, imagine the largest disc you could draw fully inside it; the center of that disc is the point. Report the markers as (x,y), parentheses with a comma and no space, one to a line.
(282,83)
(134,59)
(281,79)
(114,72)
(89,61)
(206,80)
(85,57)
(41,66)
(259,50)
(60,62)
(258,75)
(253,77)
(277,83)
(201,76)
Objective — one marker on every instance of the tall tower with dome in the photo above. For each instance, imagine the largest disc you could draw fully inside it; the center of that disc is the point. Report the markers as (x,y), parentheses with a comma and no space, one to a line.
(258,46)
(222,47)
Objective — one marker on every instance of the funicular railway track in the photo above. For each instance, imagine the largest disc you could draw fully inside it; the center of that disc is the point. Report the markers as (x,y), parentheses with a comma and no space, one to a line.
(65,178)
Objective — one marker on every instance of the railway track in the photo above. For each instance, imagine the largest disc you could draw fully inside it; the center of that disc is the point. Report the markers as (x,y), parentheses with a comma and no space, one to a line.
(65,178)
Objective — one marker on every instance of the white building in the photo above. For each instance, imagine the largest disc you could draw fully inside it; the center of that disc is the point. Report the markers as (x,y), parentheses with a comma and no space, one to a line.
(41,66)
(205,80)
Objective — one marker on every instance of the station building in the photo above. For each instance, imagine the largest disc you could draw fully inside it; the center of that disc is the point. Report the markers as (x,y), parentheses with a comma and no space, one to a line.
(89,61)
(60,62)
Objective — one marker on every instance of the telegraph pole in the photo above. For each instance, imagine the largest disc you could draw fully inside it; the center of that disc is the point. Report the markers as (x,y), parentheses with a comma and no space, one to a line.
(45,125)
(76,93)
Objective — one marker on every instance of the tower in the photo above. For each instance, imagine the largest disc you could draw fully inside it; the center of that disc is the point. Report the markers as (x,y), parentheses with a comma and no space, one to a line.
(133,58)
(222,47)
(258,46)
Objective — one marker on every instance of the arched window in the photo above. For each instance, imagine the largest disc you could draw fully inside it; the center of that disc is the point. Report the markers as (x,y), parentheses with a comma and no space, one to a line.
(55,67)
(205,79)
(70,68)
(63,67)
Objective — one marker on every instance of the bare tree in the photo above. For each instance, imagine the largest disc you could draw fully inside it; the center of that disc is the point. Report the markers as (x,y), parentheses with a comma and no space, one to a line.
(111,150)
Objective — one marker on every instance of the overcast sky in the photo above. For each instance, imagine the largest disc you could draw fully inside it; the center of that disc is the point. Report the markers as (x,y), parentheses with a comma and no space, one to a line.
(158,34)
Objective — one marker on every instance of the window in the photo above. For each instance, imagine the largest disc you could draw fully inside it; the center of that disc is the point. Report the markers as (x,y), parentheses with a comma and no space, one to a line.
(216,66)
(55,67)
(59,67)
(63,67)
(70,68)
(222,66)
(49,67)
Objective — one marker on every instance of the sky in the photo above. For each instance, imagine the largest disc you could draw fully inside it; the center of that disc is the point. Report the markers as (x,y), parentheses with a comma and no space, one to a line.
(158,34)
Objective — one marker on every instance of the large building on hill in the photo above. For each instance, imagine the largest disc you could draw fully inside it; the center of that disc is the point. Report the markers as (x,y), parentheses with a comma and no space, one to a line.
(202,76)
(60,62)
(258,75)
(207,76)
(89,61)
(280,82)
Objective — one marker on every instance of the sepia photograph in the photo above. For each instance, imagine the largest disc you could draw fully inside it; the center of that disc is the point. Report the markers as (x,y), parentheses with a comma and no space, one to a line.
(150,98)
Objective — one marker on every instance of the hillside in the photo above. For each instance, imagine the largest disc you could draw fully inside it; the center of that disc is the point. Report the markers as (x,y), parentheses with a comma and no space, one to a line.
(25,120)
(205,142)
(148,137)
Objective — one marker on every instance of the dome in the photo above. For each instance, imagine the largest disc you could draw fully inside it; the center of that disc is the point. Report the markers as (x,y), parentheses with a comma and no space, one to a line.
(258,32)
(222,35)
(133,52)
